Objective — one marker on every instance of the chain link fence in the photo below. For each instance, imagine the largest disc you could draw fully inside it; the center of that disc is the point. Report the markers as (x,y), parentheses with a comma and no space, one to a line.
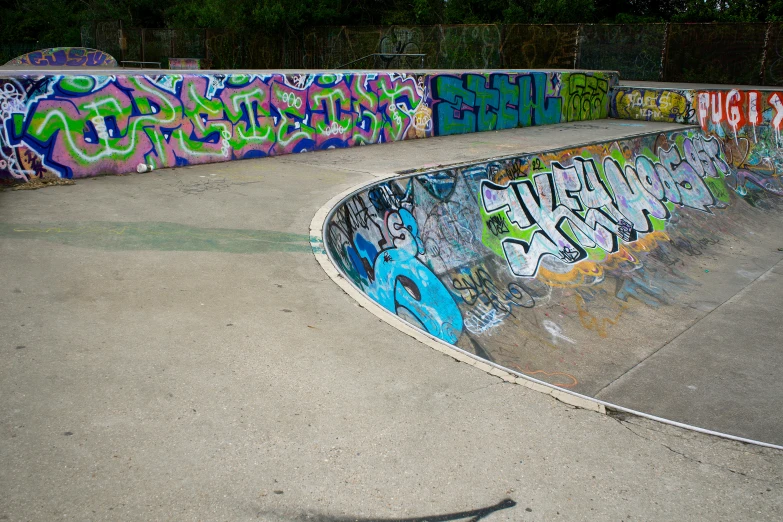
(742,53)
(540,46)
(715,53)
(636,50)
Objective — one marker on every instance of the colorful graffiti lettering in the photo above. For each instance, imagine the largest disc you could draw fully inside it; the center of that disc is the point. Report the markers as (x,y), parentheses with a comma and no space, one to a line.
(383,252)
(86,125)
(666,105)
(749,124)
(588,205)
(482,102)
(75,126)
(520,260)
(65,57)
(184,64)
(554,220)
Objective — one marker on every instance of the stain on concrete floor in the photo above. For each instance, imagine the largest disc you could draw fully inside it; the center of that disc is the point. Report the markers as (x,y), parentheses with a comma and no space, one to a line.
(163,236)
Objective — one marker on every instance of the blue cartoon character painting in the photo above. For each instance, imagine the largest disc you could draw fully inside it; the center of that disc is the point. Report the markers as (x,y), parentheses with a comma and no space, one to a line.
(406,286)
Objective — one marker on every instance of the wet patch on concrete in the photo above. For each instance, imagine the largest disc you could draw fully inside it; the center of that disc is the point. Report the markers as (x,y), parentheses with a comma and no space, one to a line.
(161,236)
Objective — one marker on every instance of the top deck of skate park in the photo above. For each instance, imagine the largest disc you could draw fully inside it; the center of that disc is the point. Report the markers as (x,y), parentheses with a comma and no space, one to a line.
(634,338)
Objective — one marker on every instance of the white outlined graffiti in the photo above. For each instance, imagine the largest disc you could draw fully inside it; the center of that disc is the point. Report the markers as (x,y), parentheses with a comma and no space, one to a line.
(571,209)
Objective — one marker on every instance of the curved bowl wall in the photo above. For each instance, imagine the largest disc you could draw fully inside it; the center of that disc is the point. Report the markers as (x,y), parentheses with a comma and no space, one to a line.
(571,266)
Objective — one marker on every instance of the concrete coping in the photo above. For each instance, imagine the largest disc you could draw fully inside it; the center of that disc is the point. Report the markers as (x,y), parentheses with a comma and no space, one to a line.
(640,84)
(77,71)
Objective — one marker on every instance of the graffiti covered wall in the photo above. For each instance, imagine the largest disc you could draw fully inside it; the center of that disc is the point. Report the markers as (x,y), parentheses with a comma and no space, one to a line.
(185,64)
(747,122)
(650,104)
(491,256)
(75,126)
(65,57)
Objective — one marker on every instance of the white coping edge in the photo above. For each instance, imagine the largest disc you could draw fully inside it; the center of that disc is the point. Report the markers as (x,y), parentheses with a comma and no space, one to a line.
(571,398)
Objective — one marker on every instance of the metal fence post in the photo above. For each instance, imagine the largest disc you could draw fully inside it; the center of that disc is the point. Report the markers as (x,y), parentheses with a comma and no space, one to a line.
(763,72)
(502,50)
(665,52)
(123,41)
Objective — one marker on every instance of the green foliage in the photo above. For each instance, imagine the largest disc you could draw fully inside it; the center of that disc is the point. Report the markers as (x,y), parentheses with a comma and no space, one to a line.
(474,11)
(519,12)
(775,11)
(282,14)
(428,11)
(42,22)
(564,11)
(57,22)
(133,13)
(208,13)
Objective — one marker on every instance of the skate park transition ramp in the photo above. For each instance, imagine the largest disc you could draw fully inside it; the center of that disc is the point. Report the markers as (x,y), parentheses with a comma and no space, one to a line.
(640,272)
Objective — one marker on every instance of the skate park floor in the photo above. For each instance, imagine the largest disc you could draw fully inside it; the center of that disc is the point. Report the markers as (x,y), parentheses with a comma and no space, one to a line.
(172,349)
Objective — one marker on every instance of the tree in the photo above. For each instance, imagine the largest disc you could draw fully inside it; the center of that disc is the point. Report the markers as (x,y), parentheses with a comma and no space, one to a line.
(57,22)
(42,22)
(564,11)
(474,11)
(519,12)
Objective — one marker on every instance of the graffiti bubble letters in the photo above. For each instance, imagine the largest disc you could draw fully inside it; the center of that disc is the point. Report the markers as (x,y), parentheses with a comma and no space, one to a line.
(737,108)
(384,254)
(65,57)
(87,125)
(652,105)
(482,102)
(569,210)
(83,125)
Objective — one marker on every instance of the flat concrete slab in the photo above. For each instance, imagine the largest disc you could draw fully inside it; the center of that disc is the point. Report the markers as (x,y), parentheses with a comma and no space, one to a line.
(434,152)
(172,350)
(723,366)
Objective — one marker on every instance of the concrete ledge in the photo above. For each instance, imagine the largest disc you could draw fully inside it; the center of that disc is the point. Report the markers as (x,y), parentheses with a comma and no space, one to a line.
(71,125)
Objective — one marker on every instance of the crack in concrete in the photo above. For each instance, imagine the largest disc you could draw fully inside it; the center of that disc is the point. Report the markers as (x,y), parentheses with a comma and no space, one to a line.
(693,459)
(501,381)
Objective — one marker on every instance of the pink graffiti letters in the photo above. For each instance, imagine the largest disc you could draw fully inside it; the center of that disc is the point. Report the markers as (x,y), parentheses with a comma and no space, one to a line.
(85,125)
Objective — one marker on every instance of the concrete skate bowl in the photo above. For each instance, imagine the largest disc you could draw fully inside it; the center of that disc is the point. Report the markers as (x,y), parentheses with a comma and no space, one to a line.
(63,57)
(642,274)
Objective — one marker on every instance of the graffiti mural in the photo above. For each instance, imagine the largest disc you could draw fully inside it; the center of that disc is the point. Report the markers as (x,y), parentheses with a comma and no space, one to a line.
(76,126)
(566,211)
(507,258)
(747,123)
(482,102)
(65,57)
(665,105)
(188,64)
